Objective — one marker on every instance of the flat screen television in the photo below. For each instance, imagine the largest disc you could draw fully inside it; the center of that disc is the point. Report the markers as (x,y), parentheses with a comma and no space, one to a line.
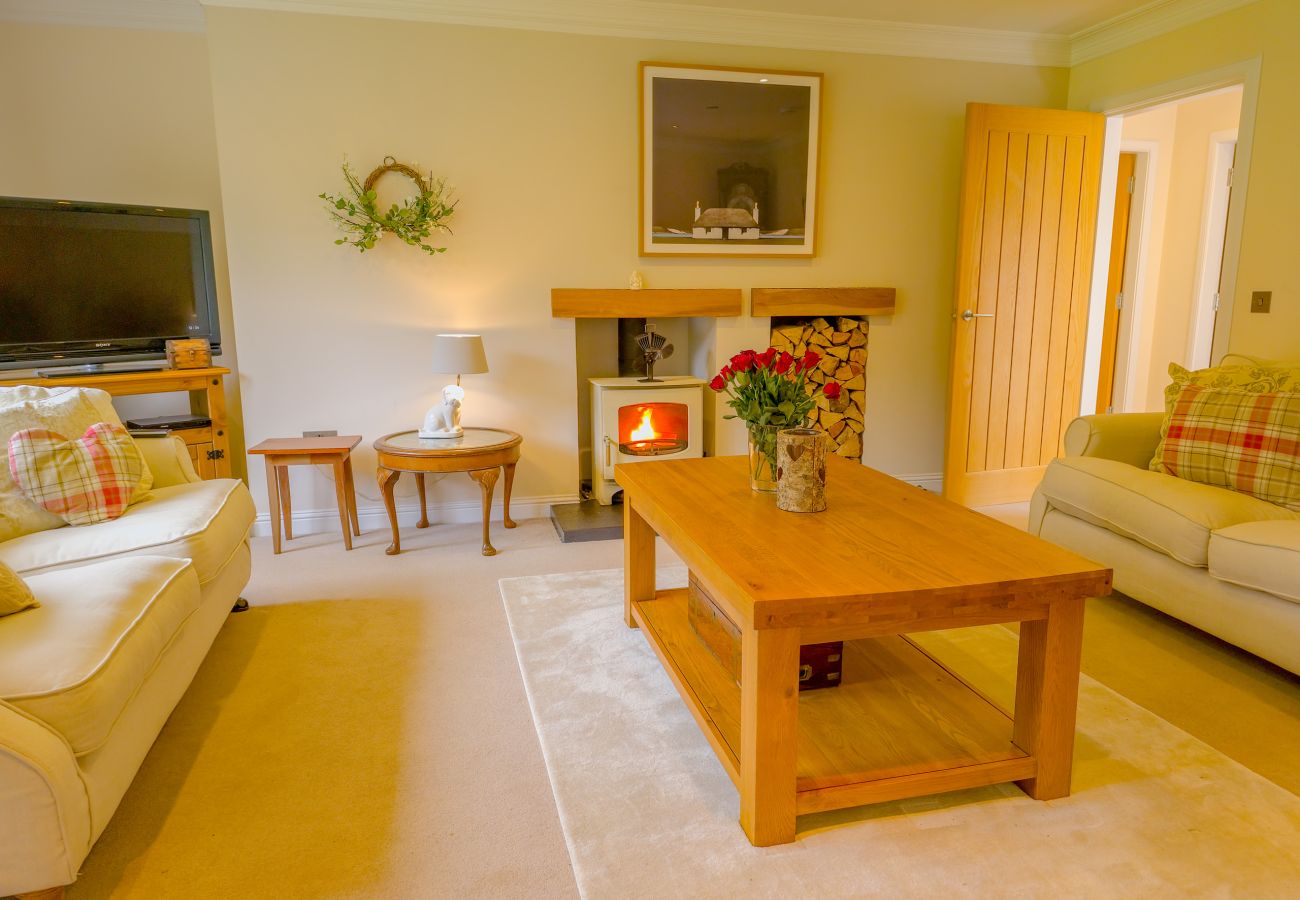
(87,284)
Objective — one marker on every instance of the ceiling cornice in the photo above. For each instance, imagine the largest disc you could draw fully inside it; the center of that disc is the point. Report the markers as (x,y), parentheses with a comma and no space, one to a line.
(1152,20)
(155,15)
(674,22)
(681,22)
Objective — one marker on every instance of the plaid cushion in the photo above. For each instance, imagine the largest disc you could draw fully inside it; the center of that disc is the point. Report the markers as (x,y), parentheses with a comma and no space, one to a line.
(1238,439)
(84,481)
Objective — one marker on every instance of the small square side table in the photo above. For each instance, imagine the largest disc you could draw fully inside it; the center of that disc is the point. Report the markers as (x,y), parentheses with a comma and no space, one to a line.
(336,452)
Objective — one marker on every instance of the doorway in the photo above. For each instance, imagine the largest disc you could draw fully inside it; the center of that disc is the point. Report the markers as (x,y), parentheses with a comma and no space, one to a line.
(1164,300)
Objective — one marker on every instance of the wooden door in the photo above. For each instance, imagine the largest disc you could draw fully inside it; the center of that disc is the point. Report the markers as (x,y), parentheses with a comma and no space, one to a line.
(1124,183)
(1025,241)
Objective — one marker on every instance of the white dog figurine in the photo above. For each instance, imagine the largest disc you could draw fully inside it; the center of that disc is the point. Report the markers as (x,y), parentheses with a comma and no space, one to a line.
(443,419)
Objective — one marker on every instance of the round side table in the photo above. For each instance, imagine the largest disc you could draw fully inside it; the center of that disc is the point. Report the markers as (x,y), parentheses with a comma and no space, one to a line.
(481,452)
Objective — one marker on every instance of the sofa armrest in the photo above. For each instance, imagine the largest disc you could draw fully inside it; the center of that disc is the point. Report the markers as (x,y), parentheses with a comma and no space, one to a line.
(168,459)
(45,825)
(1124,437)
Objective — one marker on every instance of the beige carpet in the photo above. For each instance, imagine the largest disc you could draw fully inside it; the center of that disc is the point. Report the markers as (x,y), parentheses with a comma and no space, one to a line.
(648,812)
(361,732)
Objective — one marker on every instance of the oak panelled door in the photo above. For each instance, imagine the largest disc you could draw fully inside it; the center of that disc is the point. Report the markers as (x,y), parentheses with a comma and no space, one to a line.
(1024,256)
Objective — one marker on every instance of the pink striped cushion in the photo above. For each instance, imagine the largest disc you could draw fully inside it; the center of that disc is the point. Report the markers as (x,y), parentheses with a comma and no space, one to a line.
(89,480)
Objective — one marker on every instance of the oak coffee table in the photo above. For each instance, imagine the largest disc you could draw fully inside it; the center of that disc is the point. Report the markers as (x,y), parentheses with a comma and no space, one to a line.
(482,452)
(884,559)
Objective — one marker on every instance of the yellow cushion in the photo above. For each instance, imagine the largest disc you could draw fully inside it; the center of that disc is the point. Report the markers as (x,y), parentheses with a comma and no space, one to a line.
(68,411)
(76,662)
(15,595)
(1160,511)
(1257,376)
(1260,555)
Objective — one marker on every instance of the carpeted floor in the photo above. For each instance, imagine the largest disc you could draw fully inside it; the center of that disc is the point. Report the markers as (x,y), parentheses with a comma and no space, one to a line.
(648,811)
(363,731)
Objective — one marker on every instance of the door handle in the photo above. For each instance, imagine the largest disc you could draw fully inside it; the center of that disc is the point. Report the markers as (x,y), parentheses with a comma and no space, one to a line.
(969,314)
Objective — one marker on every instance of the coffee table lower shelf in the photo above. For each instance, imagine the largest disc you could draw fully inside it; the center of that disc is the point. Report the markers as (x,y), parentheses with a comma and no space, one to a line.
(899,725)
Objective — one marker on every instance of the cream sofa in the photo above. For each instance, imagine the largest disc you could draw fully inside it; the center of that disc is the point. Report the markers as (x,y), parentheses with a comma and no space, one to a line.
(129,610)
(1215,558)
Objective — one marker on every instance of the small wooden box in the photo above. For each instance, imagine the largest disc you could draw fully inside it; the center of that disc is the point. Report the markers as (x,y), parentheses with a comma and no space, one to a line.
(820,665)
(191,353)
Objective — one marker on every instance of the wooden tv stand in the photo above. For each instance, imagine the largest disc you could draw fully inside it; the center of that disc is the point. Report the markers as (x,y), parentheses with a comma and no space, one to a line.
(209,447)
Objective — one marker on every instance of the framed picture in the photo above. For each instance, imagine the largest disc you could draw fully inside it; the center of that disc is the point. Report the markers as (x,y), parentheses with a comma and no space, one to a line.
(728,161)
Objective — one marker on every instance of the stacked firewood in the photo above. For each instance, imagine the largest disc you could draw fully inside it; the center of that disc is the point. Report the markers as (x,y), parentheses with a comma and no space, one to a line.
(843,349)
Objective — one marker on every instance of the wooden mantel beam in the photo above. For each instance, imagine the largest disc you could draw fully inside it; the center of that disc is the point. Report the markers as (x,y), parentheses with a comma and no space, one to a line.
(655,303)
(822,301)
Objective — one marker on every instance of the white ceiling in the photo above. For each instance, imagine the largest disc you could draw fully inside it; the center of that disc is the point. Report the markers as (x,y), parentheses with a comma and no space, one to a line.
(1024,32)
(1063,17)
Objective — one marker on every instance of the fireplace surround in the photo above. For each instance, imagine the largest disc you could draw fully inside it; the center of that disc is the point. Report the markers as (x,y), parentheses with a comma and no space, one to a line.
(635,421)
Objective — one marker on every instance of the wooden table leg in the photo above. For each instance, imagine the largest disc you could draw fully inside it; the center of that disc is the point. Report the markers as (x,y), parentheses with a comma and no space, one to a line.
(510,483)
(424,514)
(286,501)
(273,500)
(1047,696)
(487,479)
(352,496)
(638,560)
(387,481)
(341,497)
(769,734)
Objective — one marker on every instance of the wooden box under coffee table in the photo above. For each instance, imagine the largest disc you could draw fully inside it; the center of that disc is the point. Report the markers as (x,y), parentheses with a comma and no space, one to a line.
(883,560)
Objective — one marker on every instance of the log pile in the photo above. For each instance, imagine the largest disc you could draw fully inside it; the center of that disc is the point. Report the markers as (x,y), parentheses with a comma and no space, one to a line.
(842,345)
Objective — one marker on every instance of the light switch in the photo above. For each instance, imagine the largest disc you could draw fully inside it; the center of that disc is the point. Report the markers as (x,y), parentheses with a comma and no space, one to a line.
(1260,301)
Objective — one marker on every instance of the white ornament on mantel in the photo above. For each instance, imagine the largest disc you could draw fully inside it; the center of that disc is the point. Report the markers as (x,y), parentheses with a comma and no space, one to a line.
(635,282)
(442,421)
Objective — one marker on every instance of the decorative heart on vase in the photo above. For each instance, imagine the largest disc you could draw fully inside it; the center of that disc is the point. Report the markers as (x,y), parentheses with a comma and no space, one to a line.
(83,481)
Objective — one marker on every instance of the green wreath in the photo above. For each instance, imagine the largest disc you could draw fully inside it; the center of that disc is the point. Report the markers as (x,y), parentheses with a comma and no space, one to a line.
(413,221)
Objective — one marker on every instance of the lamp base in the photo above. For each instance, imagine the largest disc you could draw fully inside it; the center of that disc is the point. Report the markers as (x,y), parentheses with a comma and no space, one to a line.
(442,421)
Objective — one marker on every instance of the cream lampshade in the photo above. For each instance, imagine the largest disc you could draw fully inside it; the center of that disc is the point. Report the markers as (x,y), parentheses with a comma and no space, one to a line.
(461,354)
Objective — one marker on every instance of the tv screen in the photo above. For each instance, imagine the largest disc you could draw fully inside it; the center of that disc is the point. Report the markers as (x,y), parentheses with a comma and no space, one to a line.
(86,283)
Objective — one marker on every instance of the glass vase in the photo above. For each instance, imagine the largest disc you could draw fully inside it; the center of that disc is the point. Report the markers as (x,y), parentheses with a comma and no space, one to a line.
(762,457)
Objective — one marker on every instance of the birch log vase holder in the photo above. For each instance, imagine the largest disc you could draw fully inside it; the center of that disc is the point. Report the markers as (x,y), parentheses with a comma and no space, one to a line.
(801,469)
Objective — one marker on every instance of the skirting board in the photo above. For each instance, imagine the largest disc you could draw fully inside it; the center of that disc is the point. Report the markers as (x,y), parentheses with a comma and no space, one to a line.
(375,518)
(932,482)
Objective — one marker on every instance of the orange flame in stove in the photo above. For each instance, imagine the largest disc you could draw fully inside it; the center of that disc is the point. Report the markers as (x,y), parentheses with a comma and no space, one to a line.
(644,431)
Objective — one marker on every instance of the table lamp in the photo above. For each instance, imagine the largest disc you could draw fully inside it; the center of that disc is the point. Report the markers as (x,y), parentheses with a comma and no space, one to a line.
(462,354)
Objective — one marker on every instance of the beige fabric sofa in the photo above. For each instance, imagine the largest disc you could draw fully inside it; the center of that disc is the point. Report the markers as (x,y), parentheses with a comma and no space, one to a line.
(1217,559)
(129,610)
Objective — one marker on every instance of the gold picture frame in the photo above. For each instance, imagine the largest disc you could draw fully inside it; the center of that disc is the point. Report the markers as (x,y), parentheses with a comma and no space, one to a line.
(728,161)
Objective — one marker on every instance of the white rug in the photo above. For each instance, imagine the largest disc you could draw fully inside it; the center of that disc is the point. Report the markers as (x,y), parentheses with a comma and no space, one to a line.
(648,811)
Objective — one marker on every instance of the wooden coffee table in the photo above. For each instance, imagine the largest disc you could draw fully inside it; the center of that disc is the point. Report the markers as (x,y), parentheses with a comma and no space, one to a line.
(482,452)
(883,560)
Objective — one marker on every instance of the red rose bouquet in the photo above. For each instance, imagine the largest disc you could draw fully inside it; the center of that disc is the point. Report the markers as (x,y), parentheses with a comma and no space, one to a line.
(768,392)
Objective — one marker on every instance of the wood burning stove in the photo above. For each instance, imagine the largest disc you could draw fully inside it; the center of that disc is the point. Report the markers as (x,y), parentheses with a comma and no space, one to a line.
(637,421)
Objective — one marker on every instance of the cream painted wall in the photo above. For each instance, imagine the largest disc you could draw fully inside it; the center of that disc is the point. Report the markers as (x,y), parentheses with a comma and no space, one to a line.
(114,115)
(537,132)
(1269,29)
